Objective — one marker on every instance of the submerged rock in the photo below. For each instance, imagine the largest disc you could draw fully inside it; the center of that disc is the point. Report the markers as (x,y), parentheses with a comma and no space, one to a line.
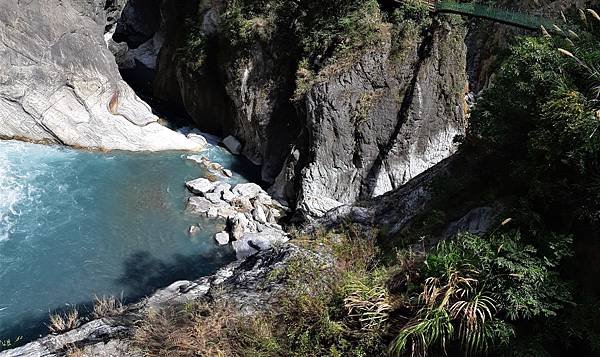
(201,140)
(211,166)
(194,230)
(233,145)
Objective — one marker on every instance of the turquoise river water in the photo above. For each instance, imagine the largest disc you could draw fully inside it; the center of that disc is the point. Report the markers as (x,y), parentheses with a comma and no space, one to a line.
(75,224)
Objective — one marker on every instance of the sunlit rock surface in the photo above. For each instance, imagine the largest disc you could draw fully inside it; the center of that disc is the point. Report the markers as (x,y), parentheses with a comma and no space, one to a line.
(60,83)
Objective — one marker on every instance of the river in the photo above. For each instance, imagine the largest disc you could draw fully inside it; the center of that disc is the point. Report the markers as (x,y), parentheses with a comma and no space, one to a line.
(75,224)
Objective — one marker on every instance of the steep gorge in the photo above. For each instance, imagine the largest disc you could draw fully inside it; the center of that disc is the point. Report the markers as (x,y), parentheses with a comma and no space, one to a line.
(363,127)
(365,137)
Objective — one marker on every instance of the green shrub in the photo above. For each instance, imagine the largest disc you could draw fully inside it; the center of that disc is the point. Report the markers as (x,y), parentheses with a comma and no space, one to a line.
(477,286)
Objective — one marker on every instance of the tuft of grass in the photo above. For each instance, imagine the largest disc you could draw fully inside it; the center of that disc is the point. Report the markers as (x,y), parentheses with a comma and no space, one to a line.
(367,299)
(194,329)
(107,306)
(63,322)
(10,343)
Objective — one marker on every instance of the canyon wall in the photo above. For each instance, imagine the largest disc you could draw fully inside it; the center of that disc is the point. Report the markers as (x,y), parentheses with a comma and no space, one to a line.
(59,82)
(362,129)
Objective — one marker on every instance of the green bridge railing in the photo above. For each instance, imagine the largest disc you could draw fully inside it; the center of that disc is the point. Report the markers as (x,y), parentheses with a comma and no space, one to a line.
(488,12)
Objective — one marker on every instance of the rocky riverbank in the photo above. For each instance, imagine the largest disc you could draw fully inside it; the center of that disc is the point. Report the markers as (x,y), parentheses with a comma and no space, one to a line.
(244,283)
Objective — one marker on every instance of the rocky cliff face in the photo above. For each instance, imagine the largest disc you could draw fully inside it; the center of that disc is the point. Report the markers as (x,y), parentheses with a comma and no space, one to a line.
(360,131)
(385,120)
(60,83)
(247,98)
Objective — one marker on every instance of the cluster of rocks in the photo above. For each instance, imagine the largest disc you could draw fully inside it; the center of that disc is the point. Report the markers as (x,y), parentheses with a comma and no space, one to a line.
(251,215)
(212,167)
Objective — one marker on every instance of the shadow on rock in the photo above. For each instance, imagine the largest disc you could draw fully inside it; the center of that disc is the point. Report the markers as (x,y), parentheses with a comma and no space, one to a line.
(144,273)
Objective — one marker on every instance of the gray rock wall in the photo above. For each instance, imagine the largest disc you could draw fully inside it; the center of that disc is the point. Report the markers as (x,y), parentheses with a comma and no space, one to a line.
(359,132)
(60,83)
(384,121)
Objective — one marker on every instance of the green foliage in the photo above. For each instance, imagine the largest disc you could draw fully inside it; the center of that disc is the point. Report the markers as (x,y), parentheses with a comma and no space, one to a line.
(521,276)
(319,29)
(195,48)
(477,286)
(410,18)
(539,123)
(315,34)
(336,307)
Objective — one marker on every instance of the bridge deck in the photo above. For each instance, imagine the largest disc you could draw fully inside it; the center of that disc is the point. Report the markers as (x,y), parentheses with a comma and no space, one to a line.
(514,18)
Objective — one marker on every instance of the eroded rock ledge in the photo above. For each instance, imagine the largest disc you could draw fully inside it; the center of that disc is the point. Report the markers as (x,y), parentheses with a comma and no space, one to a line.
(59,82)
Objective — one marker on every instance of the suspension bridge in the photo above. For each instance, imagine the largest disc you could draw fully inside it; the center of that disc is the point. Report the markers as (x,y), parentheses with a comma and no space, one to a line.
(509,17)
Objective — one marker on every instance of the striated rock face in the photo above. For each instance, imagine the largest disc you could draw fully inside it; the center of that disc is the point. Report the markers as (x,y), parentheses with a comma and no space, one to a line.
(382,122)
(59,82)
(247,98)
(393,210)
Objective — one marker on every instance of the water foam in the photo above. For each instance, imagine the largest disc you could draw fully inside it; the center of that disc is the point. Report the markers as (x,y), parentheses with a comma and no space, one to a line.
(18,188)
(12,191)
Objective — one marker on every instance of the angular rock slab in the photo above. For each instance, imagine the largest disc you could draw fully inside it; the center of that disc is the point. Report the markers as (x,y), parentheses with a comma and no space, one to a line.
(200,186)
(252,243)
(233,145)
(222,238)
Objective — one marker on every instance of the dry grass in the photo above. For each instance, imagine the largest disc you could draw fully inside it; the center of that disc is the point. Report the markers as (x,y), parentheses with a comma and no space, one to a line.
(63,322)
(74,351)
(107,306)
(196,329)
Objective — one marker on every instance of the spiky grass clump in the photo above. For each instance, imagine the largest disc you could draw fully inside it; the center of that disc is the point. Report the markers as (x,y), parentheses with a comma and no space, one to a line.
(107,306)
(63,322)
(453,309)
(367,299)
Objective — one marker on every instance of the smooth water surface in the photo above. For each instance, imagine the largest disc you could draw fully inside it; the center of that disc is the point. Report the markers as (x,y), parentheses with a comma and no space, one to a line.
(76,224)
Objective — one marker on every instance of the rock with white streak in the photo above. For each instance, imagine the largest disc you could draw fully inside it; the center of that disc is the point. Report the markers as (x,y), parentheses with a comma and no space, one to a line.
(60,82)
